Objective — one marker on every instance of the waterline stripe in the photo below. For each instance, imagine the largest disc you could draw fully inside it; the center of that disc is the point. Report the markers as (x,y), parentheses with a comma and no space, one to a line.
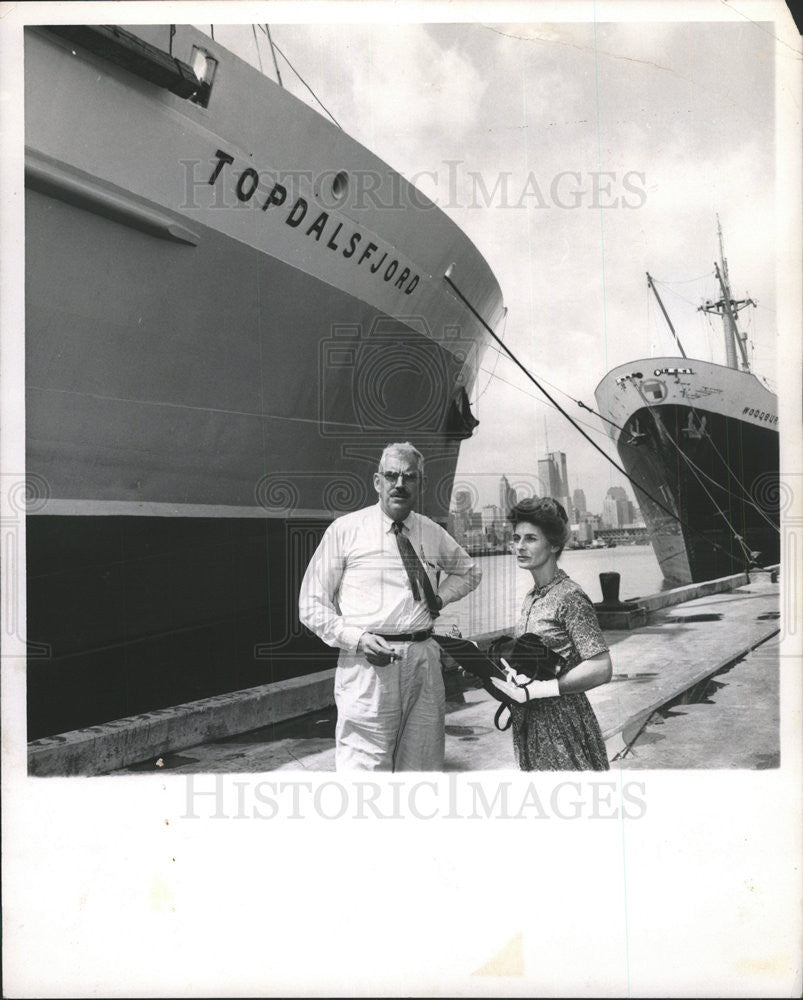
(137,508)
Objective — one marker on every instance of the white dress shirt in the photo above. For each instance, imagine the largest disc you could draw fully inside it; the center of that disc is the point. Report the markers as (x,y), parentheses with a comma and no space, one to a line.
(356,581)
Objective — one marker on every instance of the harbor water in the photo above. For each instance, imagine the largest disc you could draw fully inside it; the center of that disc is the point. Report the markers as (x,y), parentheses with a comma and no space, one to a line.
(495,604)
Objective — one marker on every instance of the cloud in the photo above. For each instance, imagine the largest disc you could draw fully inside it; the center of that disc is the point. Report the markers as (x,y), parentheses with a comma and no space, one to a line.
(513,122)
(399,90)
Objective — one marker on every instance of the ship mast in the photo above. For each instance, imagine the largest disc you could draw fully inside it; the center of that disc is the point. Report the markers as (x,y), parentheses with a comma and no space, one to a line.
(666,314)
(728,308)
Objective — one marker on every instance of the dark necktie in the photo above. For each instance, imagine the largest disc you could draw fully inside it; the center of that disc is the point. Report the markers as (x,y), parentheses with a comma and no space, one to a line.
(415,571)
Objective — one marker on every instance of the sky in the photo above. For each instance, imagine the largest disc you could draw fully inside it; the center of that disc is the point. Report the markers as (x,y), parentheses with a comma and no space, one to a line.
(577,157)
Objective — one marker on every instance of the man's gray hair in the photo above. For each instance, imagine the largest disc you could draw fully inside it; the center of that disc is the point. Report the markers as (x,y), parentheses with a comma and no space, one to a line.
(403,448)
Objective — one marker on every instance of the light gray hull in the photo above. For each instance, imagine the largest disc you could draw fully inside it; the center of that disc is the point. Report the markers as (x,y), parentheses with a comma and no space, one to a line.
(219,342)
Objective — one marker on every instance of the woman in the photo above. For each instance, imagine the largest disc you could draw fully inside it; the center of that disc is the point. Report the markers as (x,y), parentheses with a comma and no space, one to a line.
(556,729)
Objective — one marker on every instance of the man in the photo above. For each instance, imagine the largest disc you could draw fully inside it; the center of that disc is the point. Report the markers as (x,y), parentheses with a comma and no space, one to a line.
(372,588)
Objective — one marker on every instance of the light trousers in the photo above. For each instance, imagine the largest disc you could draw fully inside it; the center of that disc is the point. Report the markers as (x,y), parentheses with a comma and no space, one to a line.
(391,718)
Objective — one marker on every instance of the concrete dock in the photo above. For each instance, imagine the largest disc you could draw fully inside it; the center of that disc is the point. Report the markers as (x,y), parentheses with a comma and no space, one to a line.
(728,720)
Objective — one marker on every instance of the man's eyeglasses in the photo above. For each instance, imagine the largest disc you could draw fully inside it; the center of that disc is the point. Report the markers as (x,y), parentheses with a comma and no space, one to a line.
(391,478)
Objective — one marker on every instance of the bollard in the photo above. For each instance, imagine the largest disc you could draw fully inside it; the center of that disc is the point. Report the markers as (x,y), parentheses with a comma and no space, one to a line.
(613,613)
(609,583)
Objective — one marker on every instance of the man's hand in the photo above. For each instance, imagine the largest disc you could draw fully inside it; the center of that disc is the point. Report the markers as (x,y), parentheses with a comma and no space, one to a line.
(376,650)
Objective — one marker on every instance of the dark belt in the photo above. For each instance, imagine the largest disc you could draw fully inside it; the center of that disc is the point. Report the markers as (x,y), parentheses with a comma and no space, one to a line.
(405,636)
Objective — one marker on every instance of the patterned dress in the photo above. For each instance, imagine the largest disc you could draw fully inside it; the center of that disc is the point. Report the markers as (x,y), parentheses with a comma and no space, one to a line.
(560,734)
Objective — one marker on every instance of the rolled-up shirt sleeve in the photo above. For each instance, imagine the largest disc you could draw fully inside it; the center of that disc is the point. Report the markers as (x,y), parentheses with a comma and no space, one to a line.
(317,602)
(463,574)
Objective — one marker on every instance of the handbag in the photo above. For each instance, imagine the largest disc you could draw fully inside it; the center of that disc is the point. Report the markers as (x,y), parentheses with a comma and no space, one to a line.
(526,655)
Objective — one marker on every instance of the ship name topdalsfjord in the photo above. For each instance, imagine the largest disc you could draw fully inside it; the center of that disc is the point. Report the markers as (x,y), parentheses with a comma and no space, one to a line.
(246,187)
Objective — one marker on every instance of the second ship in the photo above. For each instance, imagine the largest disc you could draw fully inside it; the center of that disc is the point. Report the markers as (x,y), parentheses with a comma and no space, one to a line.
(699,442)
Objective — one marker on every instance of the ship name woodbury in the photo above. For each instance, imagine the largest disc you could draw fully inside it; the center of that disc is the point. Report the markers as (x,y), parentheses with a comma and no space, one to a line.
(246,187)
(768,418)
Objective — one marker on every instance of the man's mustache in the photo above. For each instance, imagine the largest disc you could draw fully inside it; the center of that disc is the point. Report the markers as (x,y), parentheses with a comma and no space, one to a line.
(400,494)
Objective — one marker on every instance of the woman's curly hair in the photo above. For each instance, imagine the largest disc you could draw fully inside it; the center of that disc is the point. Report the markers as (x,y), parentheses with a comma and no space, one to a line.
(548,515)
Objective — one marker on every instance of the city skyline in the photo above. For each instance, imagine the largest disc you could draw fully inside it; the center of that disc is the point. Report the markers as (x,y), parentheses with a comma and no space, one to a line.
(477,524)
(541,479)
(553,480)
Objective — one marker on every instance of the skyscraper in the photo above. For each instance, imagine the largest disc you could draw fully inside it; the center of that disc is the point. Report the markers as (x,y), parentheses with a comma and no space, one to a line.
(460,516)
(617,509)
(553,478)
(507,496)
(490,516)
(560,461)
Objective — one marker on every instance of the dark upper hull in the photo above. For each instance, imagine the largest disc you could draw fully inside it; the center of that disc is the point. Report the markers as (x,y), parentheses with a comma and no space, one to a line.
(209,381)
(703,442)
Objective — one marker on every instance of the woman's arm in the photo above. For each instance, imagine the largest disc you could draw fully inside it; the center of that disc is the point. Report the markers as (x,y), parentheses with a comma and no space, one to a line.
(589,674)
(580,621)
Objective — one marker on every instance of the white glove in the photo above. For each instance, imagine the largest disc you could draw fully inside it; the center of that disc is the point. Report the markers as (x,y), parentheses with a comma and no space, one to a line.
(543,689)
(535,689)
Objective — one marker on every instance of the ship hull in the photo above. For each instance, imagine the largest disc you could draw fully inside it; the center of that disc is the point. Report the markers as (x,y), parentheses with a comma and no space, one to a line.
(700,444)
(209,382)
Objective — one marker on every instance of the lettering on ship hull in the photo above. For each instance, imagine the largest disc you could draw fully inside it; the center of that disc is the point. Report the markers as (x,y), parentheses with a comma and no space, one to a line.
(387,268)
(763,415)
